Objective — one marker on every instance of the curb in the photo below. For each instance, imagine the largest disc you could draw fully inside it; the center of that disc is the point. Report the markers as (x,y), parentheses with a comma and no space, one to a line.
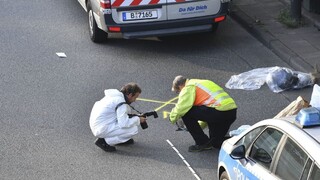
(267,39)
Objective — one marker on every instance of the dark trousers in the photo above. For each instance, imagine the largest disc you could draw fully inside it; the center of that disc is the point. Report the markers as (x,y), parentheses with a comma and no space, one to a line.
(219,123)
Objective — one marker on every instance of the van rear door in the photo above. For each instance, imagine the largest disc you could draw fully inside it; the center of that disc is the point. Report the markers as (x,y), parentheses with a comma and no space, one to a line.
(180,9)
(136,11)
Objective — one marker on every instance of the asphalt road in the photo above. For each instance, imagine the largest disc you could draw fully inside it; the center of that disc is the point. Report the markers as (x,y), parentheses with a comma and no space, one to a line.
(45,101)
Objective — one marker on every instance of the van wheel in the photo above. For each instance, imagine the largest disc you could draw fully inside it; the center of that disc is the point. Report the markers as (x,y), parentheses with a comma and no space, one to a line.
(215,27)
(96,34)
(224,176)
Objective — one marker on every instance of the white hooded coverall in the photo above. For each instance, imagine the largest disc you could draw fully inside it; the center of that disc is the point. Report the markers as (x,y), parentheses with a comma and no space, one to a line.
(113,125)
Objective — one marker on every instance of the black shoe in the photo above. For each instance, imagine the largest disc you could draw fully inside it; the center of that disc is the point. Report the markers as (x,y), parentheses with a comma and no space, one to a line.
(101,143)
(198,148)
(130,141)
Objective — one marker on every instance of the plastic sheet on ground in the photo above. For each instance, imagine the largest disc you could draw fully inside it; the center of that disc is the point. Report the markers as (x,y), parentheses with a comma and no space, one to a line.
(277,78)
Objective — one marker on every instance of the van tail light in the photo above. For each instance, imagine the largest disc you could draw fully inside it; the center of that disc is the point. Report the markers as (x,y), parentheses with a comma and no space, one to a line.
(105,4)
(114,28)
(218,19)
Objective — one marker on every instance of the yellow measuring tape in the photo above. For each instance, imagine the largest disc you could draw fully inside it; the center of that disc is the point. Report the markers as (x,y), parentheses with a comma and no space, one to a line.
(165,113)
(155,101)
(168,102)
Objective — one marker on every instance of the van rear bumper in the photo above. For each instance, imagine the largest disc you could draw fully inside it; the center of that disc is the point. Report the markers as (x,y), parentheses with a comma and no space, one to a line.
(167,32)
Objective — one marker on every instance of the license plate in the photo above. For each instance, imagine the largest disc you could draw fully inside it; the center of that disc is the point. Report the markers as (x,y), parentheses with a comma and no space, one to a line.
(139,15)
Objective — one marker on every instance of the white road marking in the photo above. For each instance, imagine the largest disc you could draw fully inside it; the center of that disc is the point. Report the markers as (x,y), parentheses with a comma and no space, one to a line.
(184,160)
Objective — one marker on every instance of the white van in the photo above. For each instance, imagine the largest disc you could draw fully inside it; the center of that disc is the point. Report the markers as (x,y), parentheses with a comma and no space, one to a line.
(147,18)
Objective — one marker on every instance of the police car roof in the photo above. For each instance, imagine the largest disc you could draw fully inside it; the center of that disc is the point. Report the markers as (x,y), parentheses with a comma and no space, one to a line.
(313,131)
(308,138)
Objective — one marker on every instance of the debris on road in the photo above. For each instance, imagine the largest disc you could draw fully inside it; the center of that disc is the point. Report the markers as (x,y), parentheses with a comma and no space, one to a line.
(277,78)
(61,54)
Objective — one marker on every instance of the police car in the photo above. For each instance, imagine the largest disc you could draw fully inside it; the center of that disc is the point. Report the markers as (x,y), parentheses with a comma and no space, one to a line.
(146,18)
(285,148)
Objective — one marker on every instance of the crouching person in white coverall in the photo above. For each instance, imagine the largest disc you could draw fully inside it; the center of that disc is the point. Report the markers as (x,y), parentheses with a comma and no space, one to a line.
(109,119)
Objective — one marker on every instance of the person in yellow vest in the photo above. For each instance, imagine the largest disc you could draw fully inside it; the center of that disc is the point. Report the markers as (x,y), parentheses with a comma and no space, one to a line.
(203,100)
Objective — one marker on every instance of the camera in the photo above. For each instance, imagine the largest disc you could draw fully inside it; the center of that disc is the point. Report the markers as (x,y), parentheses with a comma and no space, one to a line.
(147,114)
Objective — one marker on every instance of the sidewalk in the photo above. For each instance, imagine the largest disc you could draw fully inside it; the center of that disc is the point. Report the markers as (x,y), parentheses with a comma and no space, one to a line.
(299,47)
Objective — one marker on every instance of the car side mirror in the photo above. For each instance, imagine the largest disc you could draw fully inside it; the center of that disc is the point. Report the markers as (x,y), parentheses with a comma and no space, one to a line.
(262,156)
(238,152)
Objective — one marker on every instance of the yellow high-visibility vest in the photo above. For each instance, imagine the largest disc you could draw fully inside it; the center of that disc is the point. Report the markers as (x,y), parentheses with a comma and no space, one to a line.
(210,94)
(198,92)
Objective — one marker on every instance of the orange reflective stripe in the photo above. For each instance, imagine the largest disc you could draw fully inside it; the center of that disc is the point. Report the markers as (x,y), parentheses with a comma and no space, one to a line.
(205,97)
(201,96)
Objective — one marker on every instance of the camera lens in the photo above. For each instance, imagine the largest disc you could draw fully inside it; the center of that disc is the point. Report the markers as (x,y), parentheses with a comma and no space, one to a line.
(144,125)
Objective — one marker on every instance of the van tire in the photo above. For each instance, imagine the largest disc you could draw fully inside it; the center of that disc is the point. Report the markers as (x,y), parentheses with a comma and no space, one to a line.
(224,176)
(96,34)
